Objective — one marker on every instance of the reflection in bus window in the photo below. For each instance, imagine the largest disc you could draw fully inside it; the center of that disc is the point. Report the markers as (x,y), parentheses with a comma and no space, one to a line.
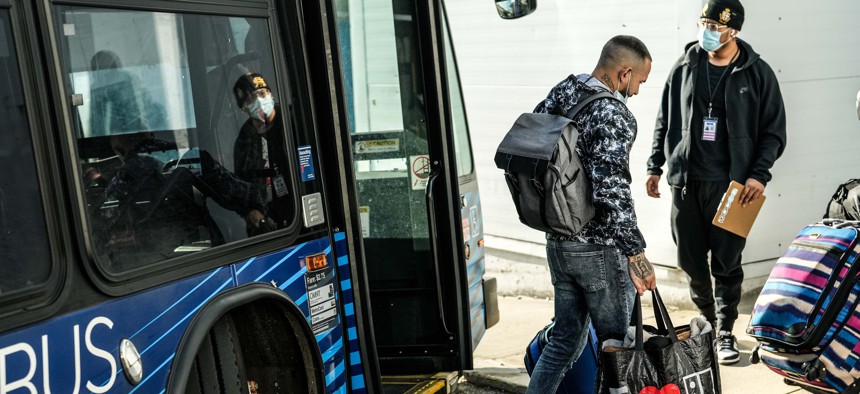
(156,130)
(118,102)
(24,253)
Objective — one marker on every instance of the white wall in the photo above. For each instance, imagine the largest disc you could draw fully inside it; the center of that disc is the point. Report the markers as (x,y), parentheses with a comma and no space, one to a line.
(507,67)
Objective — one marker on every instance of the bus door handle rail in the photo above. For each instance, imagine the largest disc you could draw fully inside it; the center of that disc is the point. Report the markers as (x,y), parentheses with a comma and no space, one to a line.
(434,244)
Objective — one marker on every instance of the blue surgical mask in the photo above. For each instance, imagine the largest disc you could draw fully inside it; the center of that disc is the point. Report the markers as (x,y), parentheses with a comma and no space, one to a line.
(710,40)
(261,108)
(623,97)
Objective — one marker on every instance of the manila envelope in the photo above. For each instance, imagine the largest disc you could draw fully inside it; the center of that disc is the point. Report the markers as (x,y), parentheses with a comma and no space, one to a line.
(734,217)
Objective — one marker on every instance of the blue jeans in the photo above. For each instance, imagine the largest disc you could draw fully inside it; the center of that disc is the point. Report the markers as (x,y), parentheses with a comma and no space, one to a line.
(591,283)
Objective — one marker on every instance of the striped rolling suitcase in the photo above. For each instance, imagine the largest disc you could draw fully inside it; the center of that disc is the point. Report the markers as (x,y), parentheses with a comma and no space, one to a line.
(582,375)
(806,318)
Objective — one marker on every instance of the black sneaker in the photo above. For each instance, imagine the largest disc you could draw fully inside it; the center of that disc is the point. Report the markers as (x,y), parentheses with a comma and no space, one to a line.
(727,348)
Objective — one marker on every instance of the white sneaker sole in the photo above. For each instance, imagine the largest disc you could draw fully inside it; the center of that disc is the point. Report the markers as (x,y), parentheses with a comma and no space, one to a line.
(728,361)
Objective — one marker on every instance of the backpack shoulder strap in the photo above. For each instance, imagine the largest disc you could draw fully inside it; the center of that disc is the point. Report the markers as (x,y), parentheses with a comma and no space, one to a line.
(580,105)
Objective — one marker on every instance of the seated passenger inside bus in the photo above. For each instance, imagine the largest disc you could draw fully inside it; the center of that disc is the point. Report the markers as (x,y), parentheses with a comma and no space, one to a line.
(152,207)
(260,155)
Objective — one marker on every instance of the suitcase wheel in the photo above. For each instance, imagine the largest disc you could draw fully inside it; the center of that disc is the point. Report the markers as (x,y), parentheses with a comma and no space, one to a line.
(814,370)
(754,356)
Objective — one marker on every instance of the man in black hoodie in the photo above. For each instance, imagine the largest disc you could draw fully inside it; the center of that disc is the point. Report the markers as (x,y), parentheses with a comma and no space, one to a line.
(260,153)
(722,118)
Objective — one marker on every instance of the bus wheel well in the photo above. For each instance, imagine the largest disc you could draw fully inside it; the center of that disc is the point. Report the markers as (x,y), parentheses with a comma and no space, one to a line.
(265,340)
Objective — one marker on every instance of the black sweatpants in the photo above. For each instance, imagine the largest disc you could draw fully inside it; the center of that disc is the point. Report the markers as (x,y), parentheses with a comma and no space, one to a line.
(692,213)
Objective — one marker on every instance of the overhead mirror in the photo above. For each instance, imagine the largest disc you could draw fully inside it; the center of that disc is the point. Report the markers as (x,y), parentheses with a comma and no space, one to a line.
(513,9)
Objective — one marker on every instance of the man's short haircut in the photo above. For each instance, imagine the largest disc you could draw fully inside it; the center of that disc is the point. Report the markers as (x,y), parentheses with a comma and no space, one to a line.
(621,50)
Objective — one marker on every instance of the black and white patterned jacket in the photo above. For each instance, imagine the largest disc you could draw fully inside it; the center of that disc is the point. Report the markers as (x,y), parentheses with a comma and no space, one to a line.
(607,131)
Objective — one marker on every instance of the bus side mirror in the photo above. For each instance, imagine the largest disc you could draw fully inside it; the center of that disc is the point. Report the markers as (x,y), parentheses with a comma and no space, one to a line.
(513,9)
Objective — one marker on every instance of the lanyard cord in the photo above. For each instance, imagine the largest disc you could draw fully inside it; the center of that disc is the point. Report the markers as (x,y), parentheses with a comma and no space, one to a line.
(713,91)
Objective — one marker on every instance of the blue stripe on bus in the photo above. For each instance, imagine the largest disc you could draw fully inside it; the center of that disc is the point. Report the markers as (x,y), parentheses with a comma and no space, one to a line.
(153,373)
(247,263)
(302,299)
(331,376)
(341,390)
(321,336)
(193,311)
(281,261)
(355,372)
(328,354)
(358,382)
(175,303)
(292,278)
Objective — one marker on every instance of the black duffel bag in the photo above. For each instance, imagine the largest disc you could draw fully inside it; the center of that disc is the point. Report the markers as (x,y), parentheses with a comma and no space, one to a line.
(670,362)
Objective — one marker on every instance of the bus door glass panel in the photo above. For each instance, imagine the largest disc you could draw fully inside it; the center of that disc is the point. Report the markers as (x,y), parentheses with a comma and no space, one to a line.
(462,147)
(25,260)
(385,99)
(470,207)
(170,163)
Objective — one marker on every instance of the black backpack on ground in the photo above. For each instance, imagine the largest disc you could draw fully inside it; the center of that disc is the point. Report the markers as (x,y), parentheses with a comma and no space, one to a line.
(845,203)
(549,186)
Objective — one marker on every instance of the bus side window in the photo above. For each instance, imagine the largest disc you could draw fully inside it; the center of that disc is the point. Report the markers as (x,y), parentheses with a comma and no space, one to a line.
(161,135)
(25,259)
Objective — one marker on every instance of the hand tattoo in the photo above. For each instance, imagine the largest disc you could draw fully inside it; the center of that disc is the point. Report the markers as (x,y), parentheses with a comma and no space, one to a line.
(641,266)
(608,81)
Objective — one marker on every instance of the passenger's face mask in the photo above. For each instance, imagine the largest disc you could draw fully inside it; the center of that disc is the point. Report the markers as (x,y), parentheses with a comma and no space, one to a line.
(709,40)
(261,108)
(623,97)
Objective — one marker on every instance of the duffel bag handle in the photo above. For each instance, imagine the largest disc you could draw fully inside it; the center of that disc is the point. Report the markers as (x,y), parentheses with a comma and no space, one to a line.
(664,322)
(661,314)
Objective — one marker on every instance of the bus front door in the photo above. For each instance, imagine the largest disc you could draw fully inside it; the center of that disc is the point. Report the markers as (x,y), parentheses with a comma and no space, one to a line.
(407,183)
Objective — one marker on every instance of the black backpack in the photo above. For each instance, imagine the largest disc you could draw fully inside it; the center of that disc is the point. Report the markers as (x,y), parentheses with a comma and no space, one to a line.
(549,186)
(845,203)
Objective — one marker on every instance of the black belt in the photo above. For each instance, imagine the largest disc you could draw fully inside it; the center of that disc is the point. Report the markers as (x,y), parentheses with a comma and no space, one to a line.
(559,237)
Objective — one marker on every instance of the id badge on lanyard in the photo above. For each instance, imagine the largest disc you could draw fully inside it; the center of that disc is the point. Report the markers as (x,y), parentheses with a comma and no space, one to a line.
(709,129)
(280,186)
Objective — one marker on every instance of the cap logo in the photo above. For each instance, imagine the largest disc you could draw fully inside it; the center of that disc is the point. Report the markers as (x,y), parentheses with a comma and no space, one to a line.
(726,16)
(705,9)
(259,83)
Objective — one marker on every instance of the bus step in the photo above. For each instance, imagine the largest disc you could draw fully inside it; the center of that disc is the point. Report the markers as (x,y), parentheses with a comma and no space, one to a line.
(441,383)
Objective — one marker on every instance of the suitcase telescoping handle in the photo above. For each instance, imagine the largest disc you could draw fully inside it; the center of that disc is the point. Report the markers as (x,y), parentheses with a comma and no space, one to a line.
(840,223)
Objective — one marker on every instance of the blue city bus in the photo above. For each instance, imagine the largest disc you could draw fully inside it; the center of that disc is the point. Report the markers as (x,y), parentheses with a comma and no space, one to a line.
(154,239)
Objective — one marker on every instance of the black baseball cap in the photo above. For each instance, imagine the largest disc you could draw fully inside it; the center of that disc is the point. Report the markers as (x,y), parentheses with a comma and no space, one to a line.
(248,84)
(726,12)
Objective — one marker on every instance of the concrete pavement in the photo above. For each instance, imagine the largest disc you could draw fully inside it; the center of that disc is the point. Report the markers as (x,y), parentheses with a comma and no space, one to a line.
(499,356)
(526,306)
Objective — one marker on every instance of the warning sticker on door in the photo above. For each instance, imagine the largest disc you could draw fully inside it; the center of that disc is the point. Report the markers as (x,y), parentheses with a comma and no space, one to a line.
(419,171)
(322,302)
(364,218)
(377,146)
